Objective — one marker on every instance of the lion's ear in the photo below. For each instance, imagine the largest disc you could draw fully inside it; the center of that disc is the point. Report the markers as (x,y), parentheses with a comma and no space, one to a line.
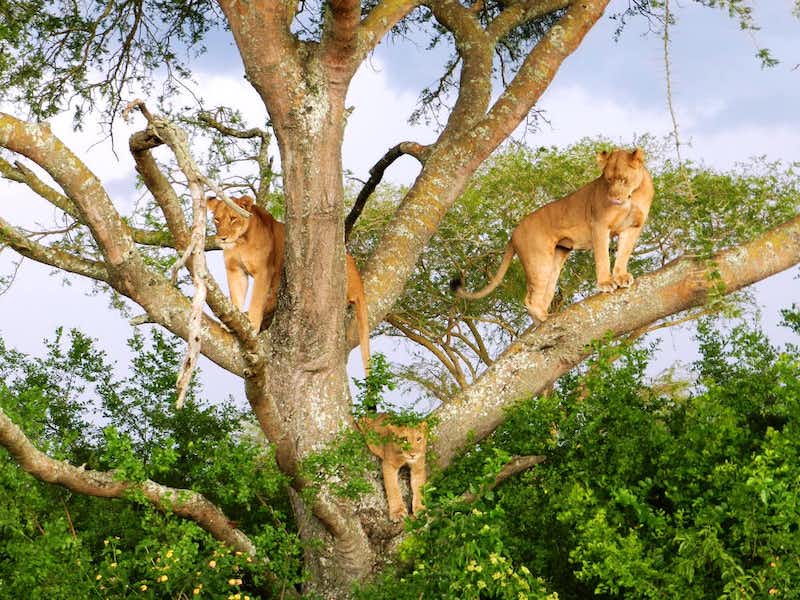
(602,158)
(212,204)
(246,202)
(637,155)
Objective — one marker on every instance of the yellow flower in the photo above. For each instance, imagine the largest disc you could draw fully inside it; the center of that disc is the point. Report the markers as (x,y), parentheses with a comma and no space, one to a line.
(497,575)
(493,558)
(234,582)
(525,570)
(212,564)
(196,591)
(105,542)
(143,588)
(481,584)
(522,596)
(99,577)
(169,553)
(162,578)
(113,565)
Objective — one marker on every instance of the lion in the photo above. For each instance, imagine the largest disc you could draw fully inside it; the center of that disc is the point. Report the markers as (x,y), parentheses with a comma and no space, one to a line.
(397,446)
(615,204)
(253,246)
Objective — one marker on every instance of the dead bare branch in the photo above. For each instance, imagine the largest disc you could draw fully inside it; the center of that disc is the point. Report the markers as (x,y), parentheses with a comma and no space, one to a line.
(418,151)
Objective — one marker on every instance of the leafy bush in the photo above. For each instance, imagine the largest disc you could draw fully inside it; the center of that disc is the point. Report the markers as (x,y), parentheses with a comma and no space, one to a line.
(54,544)
(645,493)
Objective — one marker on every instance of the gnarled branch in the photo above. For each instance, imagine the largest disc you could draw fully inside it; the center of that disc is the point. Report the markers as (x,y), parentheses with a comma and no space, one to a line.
(184,503)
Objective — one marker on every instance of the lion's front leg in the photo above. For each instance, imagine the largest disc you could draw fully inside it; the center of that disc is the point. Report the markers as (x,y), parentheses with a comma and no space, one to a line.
(237,283)
(600,240)
(418,477)
(397,508)
(261,296)
(627,240)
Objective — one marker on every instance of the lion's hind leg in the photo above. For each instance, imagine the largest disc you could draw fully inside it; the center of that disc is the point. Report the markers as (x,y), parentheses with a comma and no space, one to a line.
(559,258)
(538,265)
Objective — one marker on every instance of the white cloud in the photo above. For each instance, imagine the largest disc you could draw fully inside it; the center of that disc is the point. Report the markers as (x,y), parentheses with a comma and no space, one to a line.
(575,113)
(380,121)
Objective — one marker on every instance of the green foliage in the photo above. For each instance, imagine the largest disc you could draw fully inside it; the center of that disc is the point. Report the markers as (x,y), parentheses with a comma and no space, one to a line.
(642,495)
(370,389)
(54,544)
(340,467)
(52,53)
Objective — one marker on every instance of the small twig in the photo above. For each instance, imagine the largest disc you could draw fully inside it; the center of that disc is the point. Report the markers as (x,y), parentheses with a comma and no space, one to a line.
(512,467)
(69,521)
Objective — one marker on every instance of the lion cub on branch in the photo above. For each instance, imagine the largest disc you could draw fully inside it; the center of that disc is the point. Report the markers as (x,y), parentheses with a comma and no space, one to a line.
(253,246)
(614,204)
(397,446)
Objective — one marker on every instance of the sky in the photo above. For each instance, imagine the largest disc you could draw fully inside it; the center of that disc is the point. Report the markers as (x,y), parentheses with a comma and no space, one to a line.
(728,109)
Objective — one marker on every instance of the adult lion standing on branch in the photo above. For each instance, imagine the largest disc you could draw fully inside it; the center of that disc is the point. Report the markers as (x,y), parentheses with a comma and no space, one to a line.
(614,204)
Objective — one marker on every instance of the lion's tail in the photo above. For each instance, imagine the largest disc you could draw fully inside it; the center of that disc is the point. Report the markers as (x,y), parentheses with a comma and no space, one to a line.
(456,284)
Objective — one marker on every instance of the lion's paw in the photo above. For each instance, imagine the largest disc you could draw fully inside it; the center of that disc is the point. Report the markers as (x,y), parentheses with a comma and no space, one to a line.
(606,285)
(623,280)
(398,514)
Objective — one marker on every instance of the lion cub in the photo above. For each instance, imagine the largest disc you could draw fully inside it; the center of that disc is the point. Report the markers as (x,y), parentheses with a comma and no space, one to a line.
(615,204)
(253,246)
(397,446)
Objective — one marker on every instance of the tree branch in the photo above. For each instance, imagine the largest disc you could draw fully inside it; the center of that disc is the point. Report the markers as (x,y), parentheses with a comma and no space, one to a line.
(378,22)
(184,503)
(476,52)
(194,251)
(38,143)
(522,12)
(127,271)
(22,174)
(542,354)
(339,38)
(540,67)
(51,256)
(414,149)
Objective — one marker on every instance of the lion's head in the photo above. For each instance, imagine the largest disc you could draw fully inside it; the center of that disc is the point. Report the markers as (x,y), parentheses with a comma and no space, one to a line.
(230,225)
(623,172)
(408,442)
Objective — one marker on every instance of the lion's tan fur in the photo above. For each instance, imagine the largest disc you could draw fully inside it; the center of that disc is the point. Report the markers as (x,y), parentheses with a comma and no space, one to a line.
(254,247)
(615,204)
(398,446)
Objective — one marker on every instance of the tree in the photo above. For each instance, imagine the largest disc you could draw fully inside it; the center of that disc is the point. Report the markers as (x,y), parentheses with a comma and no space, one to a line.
(300,58)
